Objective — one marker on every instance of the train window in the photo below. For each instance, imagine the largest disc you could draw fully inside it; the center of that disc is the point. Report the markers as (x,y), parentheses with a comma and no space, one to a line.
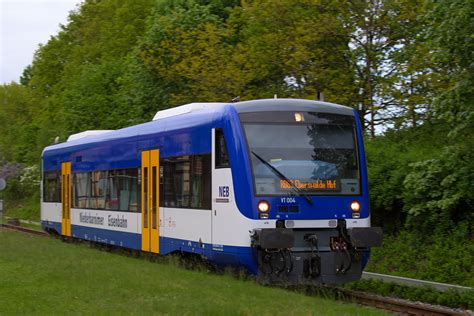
(98,190)
(115,190)
(186,182)
(318,155)
(122,190)
(81,184)
(51,187)
(222,157)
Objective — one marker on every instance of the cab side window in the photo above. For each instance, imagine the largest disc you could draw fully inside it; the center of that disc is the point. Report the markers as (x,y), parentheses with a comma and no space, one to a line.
(222,157)
(52,187)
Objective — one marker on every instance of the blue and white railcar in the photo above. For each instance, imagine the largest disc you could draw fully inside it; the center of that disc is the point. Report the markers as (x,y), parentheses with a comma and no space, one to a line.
(277,186)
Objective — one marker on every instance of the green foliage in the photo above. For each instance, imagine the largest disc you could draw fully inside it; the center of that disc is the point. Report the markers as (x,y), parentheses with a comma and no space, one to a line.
(381,34)
(185,53)
(295,49)
(438,192)
(26,207)
(22,193)
(388,161)
(18,129)
(92,99)
(450,32)
(440,256)
(80,76)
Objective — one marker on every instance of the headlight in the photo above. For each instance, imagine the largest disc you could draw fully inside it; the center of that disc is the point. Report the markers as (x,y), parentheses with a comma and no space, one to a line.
(299,117)
(263,206)
(355,206)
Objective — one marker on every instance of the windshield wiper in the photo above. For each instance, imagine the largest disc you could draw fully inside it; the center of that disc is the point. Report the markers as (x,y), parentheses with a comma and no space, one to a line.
(283,177)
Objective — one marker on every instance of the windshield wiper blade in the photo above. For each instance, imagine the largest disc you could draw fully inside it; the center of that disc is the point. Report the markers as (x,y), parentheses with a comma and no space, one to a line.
(283,177)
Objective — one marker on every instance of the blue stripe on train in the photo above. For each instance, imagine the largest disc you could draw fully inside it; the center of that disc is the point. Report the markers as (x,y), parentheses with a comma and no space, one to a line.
(221,255)
(51,225)
(112,237)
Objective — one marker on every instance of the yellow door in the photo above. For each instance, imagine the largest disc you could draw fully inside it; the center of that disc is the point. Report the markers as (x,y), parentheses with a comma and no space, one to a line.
(66,190)
(150,200)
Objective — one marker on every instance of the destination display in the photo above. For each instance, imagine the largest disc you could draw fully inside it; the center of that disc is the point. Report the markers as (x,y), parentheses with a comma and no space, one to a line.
(312,184)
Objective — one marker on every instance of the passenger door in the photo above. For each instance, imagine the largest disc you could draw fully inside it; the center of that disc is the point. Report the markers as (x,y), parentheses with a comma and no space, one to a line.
(150,200)
(221,192)
(66,198)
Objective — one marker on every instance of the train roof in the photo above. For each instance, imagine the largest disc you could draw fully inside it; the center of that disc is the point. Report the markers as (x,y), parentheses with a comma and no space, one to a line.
(291,105)
(195,114)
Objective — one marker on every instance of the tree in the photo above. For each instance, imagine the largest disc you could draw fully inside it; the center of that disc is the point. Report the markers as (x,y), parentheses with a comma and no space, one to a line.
(380,28)
(18,130)
(81,70)
(187,55)
(438,191)
(296,49)
(450,29)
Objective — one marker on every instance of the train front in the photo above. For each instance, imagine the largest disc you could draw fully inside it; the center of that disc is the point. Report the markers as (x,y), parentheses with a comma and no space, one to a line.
(308,176)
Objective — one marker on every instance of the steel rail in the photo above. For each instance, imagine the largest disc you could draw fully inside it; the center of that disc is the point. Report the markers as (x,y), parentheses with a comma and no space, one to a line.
(25,230)
(399,305)
(414,282)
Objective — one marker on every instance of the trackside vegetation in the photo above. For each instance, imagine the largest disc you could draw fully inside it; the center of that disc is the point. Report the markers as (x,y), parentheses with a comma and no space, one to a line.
(44,276)
(454,298)
(405,65)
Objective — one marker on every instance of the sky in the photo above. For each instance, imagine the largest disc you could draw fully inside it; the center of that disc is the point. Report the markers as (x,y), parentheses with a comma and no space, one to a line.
(24,24)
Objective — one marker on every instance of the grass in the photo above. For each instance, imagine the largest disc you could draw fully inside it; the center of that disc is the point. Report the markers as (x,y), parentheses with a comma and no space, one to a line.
(27,207)
(44,276)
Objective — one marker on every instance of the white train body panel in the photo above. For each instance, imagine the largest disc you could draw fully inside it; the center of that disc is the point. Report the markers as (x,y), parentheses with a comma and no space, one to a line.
(186,224)
(51,212)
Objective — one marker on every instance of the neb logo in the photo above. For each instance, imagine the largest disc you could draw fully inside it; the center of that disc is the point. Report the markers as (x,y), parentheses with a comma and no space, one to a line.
(224,191)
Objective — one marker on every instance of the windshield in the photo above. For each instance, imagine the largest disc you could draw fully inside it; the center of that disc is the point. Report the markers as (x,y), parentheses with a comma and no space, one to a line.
(316,155)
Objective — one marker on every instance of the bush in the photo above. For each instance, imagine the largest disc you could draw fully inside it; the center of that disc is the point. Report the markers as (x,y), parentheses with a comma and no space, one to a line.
(437,192)
(388,161)
(22,194)
(440,257)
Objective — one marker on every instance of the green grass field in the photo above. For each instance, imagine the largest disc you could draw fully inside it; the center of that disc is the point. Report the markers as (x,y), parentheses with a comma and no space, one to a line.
(44,275)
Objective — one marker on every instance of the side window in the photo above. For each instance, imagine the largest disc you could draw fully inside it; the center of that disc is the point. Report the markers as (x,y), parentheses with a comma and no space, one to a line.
(81,182)
(116,190)
(98,190)
(51,187)
(186,182)
(123,190)
(222,157)
(134,201)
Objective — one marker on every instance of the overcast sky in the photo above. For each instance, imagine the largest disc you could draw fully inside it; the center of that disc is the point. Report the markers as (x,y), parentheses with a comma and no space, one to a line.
(24,24)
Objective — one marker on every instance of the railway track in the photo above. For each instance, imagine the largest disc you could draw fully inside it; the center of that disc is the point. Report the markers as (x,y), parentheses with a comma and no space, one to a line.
(442,287)
(25,230)
(396,305)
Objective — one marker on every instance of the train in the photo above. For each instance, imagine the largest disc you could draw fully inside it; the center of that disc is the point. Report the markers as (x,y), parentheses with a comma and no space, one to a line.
(277,187)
